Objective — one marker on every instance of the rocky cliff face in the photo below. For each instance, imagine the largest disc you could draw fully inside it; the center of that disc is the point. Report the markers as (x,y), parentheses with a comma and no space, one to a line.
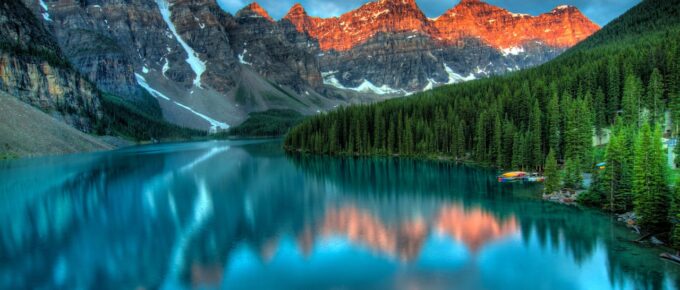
(390,47)
(562,27)
(33,69)
(209,69)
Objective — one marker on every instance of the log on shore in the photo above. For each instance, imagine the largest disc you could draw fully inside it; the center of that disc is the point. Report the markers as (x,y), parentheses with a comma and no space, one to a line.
(670,257)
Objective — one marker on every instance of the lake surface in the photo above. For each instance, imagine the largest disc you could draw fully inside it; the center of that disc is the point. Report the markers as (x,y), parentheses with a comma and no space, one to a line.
(244,215)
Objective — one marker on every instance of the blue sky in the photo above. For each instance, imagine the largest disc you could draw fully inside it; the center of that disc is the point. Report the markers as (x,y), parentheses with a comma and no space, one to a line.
(600,11)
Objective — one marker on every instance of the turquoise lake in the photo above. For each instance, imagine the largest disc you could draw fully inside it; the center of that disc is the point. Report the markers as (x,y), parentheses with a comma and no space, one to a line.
(246,215)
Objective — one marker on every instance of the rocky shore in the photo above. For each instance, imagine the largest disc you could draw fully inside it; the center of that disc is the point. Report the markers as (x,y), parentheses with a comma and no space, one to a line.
(564,196)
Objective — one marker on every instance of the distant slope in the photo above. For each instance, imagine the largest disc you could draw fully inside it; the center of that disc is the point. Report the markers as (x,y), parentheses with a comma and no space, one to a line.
(649,16)
(513,121)
(27,131)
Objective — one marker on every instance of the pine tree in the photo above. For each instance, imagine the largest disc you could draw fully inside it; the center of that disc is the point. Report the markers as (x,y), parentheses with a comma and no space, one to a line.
(572,174)
(617,176)
(655,93)
(600,112)
(674,217)
(650,191)
(613,89)
(552,174)
(631,100)
(535,144)
(497,150)
(553,116)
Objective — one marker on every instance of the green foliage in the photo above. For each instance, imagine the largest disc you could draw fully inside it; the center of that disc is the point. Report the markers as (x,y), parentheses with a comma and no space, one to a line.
(552,174)
(595,195)
(674,217)
(631,103)
(122,118)
(618,174)
(572,175)
(650,190)
(52,57)
(268,123)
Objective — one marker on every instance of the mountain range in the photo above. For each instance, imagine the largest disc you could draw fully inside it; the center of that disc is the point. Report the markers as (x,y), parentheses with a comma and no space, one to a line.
(207,69)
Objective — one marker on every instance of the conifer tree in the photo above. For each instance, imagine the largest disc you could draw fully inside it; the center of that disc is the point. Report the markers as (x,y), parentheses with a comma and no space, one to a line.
(631,100)
(498,141)
(535,150)
(600,112)
(674,217)
(650,191)
(654,101)
(616,179)
(613,89)
(572,174)
(552,174)
(553,116)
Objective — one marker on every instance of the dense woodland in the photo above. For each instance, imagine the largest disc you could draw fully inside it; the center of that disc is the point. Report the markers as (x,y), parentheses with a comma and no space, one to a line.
(141,121)
(619,85)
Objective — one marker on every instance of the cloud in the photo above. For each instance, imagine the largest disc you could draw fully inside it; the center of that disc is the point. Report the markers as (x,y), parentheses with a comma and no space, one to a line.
(600,11)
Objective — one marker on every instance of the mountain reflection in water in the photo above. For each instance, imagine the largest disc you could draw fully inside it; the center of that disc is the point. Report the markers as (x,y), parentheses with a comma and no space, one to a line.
(243,215)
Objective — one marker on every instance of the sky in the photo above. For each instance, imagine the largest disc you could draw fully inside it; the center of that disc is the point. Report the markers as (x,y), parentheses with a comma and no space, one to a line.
(600,11)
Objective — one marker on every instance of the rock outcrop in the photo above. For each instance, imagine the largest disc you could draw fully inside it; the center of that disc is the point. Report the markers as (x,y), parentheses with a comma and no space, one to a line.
(33,69)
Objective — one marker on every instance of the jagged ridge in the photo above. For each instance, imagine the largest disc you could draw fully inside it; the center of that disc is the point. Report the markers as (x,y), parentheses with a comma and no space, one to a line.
(562,27)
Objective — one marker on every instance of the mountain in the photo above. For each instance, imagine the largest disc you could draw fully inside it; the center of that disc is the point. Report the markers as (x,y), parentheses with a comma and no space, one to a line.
(391,47)
(627,71)
(208,69)
(52,106)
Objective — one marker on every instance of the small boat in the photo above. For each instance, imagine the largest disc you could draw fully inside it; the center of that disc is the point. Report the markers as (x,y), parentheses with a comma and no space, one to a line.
(520,176)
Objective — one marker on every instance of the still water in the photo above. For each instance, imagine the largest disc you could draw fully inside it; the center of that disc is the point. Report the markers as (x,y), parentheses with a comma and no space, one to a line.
(244,215)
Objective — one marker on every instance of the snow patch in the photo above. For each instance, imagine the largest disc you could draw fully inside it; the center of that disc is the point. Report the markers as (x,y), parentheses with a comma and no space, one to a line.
(457,78)
(430,84)
(197,65)
(202,25)
(46,14)
(512,51)
(142,82)
(241,58)
(145,70)
(214,124)
(365,87)
(166,67)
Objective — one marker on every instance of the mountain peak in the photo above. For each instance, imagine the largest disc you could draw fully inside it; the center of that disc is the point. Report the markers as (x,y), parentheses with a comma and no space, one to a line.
(297,9)
(398,2)
(564,8)
(255,8)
